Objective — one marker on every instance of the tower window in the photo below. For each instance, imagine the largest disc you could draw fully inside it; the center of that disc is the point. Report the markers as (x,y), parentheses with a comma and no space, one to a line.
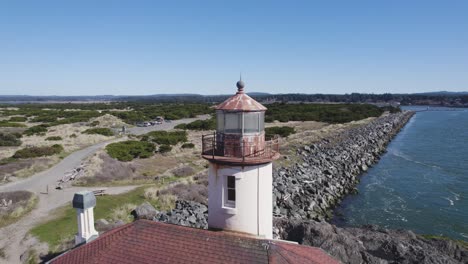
(230,191)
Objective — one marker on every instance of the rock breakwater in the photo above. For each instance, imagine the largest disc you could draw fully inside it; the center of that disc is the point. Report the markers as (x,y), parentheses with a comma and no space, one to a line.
(371,244)
(329,169)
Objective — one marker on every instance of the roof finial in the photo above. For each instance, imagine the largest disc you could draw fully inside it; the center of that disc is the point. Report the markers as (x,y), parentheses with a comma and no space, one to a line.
(240,84)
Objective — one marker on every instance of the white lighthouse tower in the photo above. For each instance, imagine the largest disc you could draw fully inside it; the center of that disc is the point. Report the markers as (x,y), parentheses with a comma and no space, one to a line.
(240,167)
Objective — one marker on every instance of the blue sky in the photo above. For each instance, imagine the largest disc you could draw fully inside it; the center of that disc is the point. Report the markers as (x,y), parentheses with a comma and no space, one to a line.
(152,47)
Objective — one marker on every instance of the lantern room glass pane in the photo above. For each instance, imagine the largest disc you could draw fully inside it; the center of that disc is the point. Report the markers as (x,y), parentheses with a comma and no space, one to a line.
(251,122)
(232,123)
(220,121)
(261,121)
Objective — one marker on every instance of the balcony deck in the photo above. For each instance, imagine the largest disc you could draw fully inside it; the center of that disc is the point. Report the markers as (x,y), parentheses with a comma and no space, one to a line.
(239,154)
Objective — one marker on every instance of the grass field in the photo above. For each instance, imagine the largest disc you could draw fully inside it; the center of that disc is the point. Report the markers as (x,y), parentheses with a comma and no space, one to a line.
(64,226)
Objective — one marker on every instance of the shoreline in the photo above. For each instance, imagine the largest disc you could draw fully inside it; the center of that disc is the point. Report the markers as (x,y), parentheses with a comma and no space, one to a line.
(306,194)
(331,169)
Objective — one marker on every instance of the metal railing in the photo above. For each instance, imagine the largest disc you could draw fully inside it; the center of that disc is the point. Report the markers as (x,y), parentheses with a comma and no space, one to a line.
(214,145)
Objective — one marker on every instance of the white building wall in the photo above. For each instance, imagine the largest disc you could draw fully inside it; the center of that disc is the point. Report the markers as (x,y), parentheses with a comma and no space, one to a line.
(253,210)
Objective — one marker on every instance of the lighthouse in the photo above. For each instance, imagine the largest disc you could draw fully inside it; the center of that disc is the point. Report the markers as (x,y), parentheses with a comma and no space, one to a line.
(240,167)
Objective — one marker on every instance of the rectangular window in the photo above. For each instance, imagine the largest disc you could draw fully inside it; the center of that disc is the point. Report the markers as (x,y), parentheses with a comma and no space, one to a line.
(220,121)
(233,123)
(251,124)
(261,122)
(230,191)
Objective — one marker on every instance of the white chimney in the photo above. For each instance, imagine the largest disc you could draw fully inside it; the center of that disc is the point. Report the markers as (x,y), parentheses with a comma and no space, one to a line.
(84,203)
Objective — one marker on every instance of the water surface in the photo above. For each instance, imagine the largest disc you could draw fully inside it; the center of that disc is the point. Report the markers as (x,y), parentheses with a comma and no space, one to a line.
(421,183)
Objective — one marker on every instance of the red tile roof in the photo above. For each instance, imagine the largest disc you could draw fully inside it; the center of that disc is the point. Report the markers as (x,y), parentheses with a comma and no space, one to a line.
(241,102)
(145,241)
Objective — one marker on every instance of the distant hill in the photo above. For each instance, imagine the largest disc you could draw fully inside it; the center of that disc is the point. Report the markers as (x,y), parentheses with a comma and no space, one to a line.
(444,93)
(441,98)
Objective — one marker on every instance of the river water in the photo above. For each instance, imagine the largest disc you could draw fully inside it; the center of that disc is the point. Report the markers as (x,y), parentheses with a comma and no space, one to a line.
(421,183)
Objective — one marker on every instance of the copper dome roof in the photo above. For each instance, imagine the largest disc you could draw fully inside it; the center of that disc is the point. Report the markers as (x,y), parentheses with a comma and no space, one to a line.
(241,102)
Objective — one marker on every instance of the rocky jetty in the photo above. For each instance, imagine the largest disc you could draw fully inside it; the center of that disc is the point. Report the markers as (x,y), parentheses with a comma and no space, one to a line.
(329,169)
(371,244)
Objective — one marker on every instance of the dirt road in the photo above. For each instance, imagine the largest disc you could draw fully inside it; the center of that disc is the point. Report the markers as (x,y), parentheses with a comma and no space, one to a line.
(11,236)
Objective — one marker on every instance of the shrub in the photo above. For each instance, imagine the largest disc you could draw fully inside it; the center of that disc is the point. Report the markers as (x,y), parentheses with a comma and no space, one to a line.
(282,131)
(101,131)
(73,135)
(36,130)
(391,109)
(164,148)
(33,152)
(54,138)
(188,145)
(18,119)
(94,123)
(10,124)
(190,192)
(167,138)
(331,113)
(10,140)
(209,124)
(183,171)
(44,119)
(129,150)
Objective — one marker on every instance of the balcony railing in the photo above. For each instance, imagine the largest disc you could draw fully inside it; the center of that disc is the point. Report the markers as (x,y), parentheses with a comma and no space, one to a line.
(214,147)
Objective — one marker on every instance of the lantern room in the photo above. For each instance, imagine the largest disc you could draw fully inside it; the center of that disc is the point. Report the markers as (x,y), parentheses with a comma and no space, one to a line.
(240,132)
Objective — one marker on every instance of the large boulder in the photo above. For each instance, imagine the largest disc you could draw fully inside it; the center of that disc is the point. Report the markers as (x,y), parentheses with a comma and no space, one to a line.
(145,211)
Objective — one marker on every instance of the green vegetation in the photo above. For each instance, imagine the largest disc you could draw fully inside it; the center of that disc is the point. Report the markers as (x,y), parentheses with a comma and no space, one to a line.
(10,140)
(94,123)
(18,119)
(462,243)
(10,124)
(164,148)
(99,130)
(282,131)
(165,137)
(54,138)
(131,149)
(73,135)
(64,227)
(59,117)
(22,203)
(209,124)
(172,111)
(129,112)
(330,113)
(33,152)
(36,130)
(44,119)
(188,145)
(391,109)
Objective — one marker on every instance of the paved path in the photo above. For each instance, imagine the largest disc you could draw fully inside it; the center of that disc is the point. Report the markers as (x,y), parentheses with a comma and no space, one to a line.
(11,236)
